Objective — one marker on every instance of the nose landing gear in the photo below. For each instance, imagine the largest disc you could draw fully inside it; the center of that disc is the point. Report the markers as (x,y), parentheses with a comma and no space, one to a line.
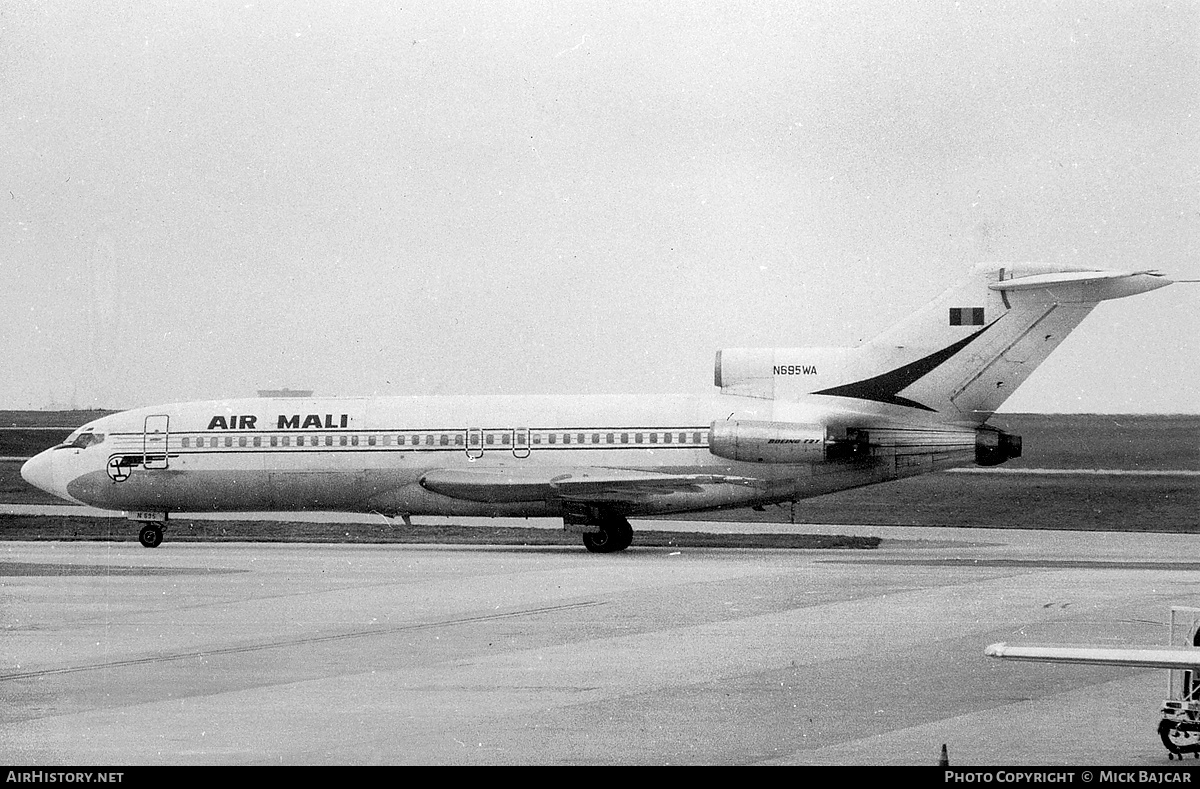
(151,526)
(151,535)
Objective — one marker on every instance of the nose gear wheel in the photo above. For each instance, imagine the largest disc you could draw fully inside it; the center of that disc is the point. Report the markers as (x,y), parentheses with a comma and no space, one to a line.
(150,536)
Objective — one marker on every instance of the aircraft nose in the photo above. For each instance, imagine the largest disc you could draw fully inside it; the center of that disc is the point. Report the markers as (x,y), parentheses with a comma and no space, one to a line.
(39,471)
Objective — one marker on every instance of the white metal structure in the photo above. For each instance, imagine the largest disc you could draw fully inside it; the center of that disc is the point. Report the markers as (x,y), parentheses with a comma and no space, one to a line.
(1179,728)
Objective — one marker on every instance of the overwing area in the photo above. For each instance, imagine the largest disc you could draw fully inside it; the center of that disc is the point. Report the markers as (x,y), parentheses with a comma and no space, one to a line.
(595,485)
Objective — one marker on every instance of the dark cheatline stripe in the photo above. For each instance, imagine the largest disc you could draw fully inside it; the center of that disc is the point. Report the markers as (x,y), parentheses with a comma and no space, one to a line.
(884,388)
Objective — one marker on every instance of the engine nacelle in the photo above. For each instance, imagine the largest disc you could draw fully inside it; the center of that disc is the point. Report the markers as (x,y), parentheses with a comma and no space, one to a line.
(767,442)
(993,447)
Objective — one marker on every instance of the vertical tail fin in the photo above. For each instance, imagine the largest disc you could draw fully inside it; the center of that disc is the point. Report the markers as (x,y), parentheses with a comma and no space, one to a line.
(956,360)
(979,341)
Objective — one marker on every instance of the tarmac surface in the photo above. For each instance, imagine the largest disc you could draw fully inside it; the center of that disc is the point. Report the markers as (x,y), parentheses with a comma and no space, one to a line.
(241,653)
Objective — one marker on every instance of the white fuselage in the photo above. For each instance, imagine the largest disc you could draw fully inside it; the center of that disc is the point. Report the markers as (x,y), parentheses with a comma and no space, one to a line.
(371,454)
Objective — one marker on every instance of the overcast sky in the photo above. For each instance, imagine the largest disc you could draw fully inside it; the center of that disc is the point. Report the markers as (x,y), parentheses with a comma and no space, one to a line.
(205,199)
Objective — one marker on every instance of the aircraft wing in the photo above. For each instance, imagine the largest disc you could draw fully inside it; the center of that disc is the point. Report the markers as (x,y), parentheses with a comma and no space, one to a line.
(1134,656)
(496,486)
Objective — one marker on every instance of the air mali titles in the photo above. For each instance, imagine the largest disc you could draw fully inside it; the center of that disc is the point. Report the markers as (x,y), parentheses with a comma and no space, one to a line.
(284,422)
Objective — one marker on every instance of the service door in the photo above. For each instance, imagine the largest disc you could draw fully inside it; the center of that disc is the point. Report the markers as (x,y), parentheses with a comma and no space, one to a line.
(154,441)
(474,443)
(521,442)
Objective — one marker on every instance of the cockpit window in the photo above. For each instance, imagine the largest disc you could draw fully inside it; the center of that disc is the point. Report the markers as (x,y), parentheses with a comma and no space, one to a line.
(83,440)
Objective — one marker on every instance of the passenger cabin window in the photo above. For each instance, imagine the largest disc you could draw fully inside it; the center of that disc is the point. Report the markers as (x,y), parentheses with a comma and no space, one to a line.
(258,441)
(287,441)
(371,441)
(274,441)
(242,441)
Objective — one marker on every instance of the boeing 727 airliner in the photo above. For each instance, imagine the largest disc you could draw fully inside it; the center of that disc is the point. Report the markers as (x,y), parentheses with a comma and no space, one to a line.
(788,424)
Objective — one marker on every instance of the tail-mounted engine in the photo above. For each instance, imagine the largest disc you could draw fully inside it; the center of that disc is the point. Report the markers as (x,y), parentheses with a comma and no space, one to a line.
(790,442)
(767,442)
(993,447)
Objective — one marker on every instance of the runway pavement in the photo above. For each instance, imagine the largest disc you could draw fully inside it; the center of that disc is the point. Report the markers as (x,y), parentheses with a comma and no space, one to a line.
(328,654)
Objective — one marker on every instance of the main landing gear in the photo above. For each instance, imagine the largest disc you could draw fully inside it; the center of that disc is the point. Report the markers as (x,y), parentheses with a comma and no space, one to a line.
(614,535)
(603,530)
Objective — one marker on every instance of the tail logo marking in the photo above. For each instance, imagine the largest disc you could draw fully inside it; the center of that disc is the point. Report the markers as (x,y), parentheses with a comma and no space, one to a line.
(884,388)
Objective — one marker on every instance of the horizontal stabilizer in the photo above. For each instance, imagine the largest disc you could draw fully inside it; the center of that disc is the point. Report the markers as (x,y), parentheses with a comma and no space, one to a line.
(1133,656)
(503,485)
(1099,285)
